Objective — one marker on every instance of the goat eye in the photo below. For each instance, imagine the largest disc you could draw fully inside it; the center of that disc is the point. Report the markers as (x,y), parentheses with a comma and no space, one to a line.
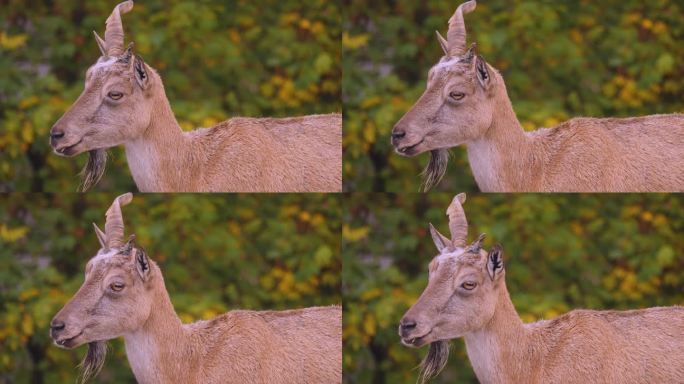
(115,95)
(456,95)
(116,287)
(469,285)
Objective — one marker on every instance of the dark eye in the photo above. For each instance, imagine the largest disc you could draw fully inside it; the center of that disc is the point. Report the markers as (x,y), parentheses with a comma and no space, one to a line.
(116,287)
(114,95)
(469,285)
(456,95)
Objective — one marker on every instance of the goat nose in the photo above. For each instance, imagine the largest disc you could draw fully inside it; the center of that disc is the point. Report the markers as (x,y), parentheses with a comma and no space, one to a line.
(56,325)
(398,134)
(407,324)
(56,133)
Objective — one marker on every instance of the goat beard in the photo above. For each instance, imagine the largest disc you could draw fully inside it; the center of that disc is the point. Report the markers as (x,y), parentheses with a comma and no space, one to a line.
(93,361)
(94,169)
(435,361)
(436,168)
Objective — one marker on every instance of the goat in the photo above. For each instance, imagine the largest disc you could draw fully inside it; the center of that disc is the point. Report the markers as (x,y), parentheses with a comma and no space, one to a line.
(465,103)
(466,296)
(124,103)
(124,295)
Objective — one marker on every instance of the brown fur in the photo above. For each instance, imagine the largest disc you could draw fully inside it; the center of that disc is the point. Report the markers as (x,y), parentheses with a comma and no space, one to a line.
(298,154)
(638,154)
(582,346)
(293,346)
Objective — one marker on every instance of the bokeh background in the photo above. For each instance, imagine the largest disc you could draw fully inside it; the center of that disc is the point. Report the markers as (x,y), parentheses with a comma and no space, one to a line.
(559,59)
(562,252)
(217,59)
(216,252)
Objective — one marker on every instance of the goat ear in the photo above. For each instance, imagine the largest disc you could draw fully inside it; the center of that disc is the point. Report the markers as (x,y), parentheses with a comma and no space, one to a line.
(482,72)
(140,72)
(100,236)
(142,263)
(442,242)
(495,264)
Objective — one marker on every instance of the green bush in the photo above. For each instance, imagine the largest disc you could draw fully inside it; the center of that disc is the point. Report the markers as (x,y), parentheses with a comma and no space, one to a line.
(561,252)
(217,59)
(216,252)
(559,60)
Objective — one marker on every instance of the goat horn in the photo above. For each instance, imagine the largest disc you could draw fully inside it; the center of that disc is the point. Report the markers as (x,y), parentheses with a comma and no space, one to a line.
(458,225)
(443,43)
(114,34)
(456,36)
(101,237)
(114,226)
(101,44)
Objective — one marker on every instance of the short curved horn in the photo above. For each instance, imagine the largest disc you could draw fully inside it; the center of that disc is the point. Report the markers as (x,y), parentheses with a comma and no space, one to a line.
(443,43)
(456,36)
(458,225)
(100,43)
(101,237)
(114,226)
(114,34)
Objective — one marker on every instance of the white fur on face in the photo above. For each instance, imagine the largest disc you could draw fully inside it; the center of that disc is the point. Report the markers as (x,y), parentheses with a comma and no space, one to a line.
(103,254)
(450,255)
(102,64)
(448,63)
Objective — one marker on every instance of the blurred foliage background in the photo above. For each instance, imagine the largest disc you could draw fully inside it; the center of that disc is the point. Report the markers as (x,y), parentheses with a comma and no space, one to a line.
(562,252)
(559,59)
(216,252)
(218,59)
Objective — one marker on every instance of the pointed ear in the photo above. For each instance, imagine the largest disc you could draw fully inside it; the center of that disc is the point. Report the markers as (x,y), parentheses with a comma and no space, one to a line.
(142,263)
(442,242)
(100,43)
(100,236)
(482,72)
(495,264)
(140,72)
(443,43)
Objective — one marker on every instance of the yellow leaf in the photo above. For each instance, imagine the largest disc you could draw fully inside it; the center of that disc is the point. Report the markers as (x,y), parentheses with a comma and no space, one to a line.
(304,216)
(369,324)
(27,132)
(371,294)
(354,42)
(371,101)
(354,234)
(27,325)
(12,42)
(29,102)
(12,234)
(29,293)
(209,122)
(369,132)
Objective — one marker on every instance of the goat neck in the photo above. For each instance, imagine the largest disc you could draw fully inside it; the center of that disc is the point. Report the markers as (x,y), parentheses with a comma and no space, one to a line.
(495,359)
(502,158)
(156,157)
(158,352)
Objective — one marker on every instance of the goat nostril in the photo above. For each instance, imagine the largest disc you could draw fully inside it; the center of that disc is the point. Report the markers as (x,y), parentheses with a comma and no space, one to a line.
(397,134)
(407,324)
(56,134)
(57,325)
